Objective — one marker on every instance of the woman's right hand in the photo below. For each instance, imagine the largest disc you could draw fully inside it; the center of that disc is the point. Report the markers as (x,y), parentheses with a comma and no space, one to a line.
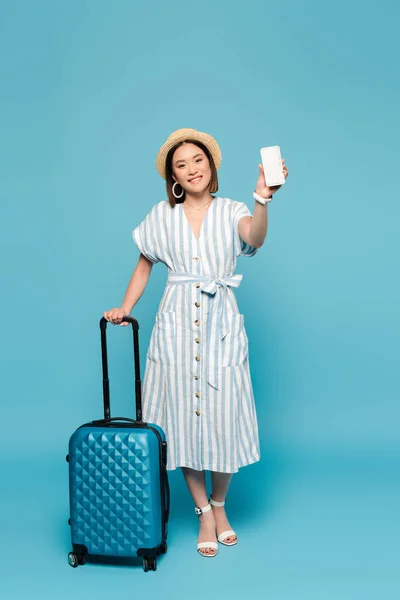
(115,315)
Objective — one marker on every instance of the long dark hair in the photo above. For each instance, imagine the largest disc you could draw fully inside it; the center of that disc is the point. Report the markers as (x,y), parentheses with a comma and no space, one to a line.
(213,185)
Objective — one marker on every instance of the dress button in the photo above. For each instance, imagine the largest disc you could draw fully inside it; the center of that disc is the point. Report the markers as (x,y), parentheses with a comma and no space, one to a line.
(197,358)
(197,395)
(196,377)
(197,304)
(197,412)
(197,340)
(196,258)
(197,322)
(198,284)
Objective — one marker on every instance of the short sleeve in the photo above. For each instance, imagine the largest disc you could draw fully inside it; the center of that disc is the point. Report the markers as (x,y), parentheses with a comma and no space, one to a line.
(241,247)
(144,237)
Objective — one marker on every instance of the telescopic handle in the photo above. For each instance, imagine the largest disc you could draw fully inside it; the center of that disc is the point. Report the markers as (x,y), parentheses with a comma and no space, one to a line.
(106,383)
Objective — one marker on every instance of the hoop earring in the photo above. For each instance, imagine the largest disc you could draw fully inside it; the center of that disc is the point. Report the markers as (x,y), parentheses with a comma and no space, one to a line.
(173,190)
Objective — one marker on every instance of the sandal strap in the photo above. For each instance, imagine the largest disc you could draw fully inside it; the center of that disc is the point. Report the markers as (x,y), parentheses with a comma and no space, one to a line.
(200,511)
(225,534)
(214,503)
(212,545)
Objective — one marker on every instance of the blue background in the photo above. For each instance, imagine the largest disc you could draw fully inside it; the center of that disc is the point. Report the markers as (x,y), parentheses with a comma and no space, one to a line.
(90,90)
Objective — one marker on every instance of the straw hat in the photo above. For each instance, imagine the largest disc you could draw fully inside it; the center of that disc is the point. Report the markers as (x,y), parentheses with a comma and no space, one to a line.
(181,135)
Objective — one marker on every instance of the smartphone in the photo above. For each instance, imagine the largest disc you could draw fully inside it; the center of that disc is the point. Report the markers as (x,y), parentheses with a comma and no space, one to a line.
(272,163)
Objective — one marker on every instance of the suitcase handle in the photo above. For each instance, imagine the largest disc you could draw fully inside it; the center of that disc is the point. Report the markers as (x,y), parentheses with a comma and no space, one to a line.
(113,420)
(106,383)
(167,494)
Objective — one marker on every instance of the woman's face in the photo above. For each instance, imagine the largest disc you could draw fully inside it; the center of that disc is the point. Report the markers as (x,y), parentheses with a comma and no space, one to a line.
(191,168)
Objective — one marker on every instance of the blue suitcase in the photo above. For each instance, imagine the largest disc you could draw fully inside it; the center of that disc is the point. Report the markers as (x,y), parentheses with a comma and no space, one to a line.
(118,482)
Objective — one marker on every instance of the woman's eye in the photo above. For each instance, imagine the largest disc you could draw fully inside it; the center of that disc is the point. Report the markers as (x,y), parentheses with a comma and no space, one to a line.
(180,166)
(199,159)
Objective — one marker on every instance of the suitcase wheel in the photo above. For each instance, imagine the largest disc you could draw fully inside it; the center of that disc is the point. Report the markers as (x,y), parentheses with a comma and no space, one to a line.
(73,560)
(149,563)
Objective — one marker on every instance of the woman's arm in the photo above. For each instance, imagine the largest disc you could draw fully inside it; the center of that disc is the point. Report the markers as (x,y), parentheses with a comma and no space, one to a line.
(253,230)
(137,284)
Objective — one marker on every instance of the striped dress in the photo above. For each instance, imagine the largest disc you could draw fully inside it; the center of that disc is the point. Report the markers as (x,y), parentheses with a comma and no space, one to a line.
(197,384)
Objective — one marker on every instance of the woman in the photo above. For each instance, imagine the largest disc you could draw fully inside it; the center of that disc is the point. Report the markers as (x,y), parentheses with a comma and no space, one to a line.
(197,383)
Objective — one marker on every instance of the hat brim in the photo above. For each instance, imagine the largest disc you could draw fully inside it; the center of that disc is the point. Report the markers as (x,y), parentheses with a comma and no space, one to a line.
(183,135)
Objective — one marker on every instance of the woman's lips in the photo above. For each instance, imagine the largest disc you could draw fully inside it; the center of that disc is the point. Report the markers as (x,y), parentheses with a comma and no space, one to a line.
(195,179)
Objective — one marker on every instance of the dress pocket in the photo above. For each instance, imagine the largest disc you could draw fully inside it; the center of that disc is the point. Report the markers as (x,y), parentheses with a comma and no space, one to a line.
(235,345)
(162,346)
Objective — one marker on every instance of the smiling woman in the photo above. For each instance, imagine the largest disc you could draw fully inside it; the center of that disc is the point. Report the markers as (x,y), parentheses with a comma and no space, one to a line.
(197,383)
(190,165)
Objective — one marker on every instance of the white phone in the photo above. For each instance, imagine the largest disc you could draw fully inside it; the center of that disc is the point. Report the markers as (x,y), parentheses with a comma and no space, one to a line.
(272,163)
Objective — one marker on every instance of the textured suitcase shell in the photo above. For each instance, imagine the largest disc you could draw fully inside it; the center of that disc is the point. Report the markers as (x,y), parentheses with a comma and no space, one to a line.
(116,490)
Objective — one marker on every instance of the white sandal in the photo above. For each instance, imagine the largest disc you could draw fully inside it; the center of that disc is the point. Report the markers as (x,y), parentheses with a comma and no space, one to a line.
(225,534)
(212,545)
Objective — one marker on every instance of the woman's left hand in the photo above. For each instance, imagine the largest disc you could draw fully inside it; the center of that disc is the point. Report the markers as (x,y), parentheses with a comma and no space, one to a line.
(264,190)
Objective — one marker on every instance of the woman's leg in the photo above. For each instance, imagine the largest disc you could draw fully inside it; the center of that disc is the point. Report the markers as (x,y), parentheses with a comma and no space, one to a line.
(197,487)
(220,485)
